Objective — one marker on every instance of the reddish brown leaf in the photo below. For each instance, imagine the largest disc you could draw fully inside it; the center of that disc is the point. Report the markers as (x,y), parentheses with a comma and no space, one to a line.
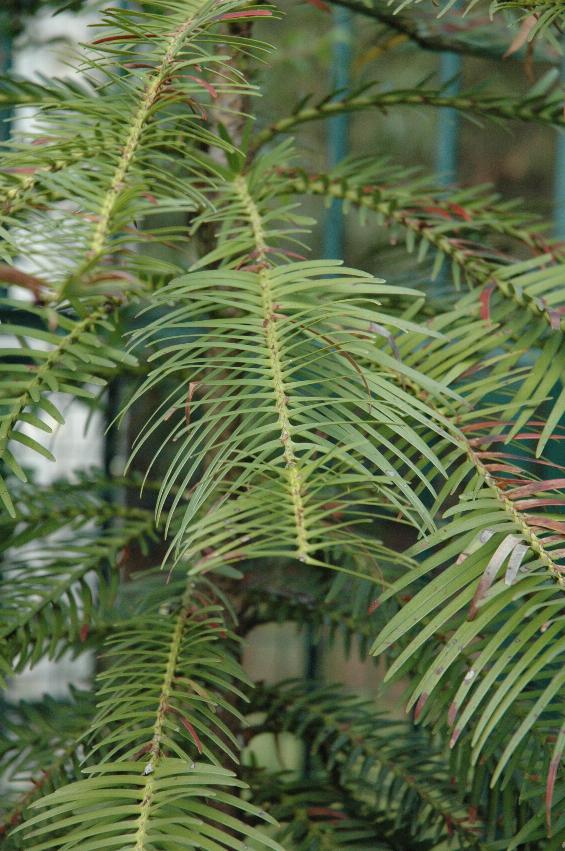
(193,385)
(525,504)
(550,787)
(194,735)
(420,705)
(500,438)
(485,297)
(487,455)
(142,751)
(252,13)
(325,812)
(125,37)
(546,523)
(560,553)
(20,170)
(522,35)
(206,85)
(551,539)
(536,487)
(11,275)
(473,814)
(84,630)
(123,556)
(437,211)
(319,4)
(483,424)
(502,468)
(461,211)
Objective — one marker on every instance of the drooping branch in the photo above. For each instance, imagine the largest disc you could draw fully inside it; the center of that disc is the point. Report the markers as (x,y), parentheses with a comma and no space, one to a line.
(431,38)
(41,746)
(336,725)
(39,604)
(294,475)
(478,270)
(72,361)
(155,751)
(546,110)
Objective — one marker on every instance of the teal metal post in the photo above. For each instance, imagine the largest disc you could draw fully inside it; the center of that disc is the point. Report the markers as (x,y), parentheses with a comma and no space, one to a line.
(447,145)
(333,236)
(5,65)
(559,173)
(447,150)
(338,129)
(553,451)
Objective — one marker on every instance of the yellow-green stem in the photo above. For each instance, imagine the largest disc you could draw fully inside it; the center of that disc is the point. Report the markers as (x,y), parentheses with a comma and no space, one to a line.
(476,269)
(535,543)
(129,151)
(155,750)
(293,473)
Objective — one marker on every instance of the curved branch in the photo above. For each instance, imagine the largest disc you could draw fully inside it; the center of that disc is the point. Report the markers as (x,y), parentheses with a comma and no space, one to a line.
(547,111)
(54,740)
(425,37)
(523,521)
(156,749)
(14,198)
(476,269)
(44,380)
(336,725)
(293,473)
(55,584)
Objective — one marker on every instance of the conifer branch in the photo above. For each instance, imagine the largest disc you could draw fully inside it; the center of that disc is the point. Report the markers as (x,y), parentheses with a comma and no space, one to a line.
(524,523)
(476,269)
(336,725)
(294,475)
(40,606)
(547,110)
(72,360)
(156,85)
(41,748)
(156,747)
(428,38)
(188,686)
(28,189)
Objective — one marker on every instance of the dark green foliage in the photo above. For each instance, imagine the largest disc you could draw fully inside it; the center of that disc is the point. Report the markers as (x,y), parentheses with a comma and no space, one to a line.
(284,415)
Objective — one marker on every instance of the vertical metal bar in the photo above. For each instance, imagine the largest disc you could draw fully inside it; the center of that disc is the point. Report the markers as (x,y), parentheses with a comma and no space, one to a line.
(448,131)
(553,451)
(5,65)
(447,145)
(338,128)
(333,236)
(113,399)
(559,173)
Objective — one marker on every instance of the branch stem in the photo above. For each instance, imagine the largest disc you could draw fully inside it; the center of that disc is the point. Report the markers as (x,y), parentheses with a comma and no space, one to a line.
(293,473)
(164,699)
(522,109)
(477,270)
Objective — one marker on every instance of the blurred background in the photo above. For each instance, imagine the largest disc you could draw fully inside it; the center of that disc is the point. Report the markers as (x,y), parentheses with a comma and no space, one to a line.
(320,50)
